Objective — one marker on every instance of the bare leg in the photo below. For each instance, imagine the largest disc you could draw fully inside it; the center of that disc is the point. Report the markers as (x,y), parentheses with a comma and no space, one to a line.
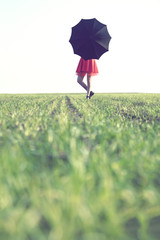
(80,81)
(88,85)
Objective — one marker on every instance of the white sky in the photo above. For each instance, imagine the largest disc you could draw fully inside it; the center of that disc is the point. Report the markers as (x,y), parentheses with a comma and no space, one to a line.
(36,56)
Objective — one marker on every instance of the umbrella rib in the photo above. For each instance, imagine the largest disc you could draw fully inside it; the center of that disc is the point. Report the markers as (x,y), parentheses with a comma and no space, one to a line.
(104,45)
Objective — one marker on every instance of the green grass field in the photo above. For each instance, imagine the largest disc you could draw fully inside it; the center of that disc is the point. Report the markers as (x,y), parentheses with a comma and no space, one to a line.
(77,169)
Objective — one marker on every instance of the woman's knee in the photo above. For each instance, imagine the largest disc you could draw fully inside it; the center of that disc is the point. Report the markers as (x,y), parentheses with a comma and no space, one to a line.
(79,79)
(89,79)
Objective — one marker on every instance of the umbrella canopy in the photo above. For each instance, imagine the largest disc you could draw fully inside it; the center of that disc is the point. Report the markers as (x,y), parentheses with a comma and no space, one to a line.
(90,39)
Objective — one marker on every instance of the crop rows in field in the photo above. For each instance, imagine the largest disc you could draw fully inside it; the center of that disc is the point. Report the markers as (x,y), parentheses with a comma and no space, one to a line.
(73,168)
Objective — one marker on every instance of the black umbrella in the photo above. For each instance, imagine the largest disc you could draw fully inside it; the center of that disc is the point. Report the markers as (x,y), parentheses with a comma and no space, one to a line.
(90,39)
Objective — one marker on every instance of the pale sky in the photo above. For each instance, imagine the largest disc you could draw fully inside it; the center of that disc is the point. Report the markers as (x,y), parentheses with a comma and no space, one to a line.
(36,56)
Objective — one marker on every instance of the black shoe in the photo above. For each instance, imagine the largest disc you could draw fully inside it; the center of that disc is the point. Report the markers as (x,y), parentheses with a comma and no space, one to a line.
(91,94)
(88,97)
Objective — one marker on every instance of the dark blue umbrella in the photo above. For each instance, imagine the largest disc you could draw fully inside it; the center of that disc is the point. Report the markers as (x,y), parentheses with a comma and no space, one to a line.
(90,39)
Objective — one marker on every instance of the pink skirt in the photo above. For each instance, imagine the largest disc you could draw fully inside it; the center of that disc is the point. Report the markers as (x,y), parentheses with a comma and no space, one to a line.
(88,67)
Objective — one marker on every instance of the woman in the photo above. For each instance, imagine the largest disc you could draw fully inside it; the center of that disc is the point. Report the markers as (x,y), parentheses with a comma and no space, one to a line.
(90,68)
